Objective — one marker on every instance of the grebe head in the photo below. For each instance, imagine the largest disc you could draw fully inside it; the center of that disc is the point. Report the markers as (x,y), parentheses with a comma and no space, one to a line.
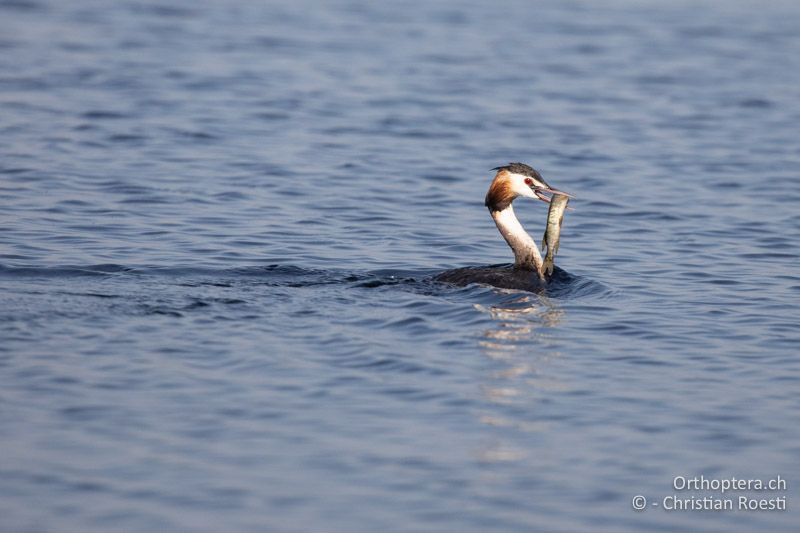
(517,179)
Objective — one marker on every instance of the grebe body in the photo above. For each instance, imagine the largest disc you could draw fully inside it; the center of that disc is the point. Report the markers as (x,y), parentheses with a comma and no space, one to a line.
(527,273)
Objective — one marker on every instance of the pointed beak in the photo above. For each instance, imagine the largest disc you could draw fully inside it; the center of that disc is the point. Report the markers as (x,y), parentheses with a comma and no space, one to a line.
(540,193)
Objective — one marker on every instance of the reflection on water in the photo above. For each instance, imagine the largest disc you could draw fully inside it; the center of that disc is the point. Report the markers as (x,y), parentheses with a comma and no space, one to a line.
(518,322)
(520,342)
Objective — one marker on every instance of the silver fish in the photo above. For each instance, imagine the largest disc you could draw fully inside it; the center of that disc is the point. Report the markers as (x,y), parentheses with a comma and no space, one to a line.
(552,233)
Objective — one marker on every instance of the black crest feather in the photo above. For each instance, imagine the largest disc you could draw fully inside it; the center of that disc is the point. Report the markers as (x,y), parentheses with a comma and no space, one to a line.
(521,168)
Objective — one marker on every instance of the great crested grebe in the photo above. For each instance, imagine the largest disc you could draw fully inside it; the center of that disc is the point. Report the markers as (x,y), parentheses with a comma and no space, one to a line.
(510,182)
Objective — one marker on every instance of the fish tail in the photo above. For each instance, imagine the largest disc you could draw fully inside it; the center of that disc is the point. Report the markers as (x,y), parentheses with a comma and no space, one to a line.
(547,266)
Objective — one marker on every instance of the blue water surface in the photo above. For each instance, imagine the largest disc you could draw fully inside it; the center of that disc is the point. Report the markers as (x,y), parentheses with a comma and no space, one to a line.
(220,221)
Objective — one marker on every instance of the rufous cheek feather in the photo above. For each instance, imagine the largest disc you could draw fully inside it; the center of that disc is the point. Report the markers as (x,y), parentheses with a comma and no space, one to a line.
(500,193)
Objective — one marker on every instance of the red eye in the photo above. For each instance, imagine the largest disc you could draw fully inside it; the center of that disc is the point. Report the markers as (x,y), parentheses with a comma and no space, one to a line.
(529,182)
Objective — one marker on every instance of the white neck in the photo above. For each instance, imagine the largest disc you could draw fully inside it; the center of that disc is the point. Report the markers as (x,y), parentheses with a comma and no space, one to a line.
(526,253)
